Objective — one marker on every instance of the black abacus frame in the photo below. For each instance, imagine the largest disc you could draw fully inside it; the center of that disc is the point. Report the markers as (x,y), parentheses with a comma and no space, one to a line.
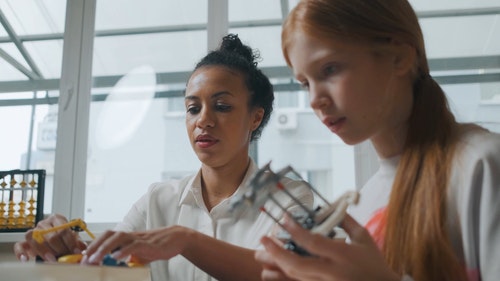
(39,197)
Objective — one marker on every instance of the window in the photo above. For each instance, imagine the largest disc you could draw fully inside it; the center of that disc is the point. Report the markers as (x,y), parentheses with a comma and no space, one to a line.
(30,65)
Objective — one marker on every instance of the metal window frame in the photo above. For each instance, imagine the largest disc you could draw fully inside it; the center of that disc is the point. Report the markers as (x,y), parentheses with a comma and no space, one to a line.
(74,107)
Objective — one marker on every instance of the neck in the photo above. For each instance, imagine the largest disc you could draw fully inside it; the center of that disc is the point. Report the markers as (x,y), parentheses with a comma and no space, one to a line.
(388,145)
(219,183)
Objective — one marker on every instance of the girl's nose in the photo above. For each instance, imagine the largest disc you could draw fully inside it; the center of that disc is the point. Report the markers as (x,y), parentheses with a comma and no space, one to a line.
(318,97)
(205,119)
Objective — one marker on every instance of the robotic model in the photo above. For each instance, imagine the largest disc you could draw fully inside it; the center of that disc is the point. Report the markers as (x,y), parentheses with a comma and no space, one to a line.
(323,219)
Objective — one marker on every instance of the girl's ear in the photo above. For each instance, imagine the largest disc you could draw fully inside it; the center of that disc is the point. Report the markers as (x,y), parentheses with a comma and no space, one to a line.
(258,115)
(404,59)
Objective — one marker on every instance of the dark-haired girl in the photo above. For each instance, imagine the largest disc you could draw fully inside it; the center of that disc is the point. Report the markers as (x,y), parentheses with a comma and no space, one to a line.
(184,228)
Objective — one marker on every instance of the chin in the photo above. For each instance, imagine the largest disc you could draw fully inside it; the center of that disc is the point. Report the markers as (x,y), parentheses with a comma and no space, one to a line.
(208,160)
(351,141)
(204,157)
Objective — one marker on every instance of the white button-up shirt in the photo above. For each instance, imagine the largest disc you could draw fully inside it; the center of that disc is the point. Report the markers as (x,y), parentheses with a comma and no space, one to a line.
(180,202)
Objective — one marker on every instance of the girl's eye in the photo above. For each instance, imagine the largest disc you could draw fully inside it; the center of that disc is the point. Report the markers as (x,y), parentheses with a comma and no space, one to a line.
(223,107)
(192,109)
(331,69)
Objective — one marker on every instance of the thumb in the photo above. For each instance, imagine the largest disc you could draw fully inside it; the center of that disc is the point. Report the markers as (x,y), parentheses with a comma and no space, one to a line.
(357,233)
(22,250)
(81,245)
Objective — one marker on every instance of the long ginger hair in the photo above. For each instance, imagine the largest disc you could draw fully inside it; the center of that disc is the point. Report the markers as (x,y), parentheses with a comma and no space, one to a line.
(416,238)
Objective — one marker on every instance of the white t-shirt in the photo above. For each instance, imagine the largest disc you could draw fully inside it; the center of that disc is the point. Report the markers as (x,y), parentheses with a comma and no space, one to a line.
(180,202)
(473,202)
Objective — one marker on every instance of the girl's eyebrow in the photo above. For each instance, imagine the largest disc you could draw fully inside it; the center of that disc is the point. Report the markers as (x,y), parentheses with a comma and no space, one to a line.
(191,98)
(214,96)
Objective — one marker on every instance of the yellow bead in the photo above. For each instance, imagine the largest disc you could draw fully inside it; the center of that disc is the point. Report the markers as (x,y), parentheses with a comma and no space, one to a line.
(76,258)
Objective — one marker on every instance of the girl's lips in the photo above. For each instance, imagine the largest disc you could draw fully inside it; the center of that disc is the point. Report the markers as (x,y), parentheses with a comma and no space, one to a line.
(334,124)
(205,141)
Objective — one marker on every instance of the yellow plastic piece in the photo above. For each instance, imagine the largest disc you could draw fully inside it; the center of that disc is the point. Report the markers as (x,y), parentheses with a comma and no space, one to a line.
(38,234)
(134,262)
(76,258)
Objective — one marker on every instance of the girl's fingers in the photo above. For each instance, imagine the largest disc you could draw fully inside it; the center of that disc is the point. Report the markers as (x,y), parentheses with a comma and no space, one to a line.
(96,244)
(45,250)
(315,244)
(357,233)
(273,275)
(23,251)
(265,259)
(331,259)
(288,265)
(107,243)
(71,241)
(326,248)
(57,243)
(286,260)
(54,243)
(131,248)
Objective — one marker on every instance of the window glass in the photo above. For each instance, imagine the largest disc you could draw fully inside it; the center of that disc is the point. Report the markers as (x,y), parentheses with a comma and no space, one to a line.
(35,126)
(165,52)
(431,5)
(9,72)
(243,10)
(125,14)
(266,40)
(13,51)
(287,99)
(13,147)
(462,36)
(35,17)
(47,55)
(28,101)
(175,106)
(476,102)
(3,32)
(137,134)
(463,53)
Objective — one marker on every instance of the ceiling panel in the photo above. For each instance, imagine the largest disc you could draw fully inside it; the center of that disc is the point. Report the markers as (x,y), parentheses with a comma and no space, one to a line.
(244,10)
(9,73)
(432,5)
(34,17)
(13,51)
(117,14)
(165,52)
(47,55)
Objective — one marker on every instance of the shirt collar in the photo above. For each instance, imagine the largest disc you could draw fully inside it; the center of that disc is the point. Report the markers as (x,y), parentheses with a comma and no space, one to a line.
(192,194)
(193,186)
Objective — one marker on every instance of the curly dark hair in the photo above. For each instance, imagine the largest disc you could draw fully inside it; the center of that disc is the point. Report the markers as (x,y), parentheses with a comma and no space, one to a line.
(234,55)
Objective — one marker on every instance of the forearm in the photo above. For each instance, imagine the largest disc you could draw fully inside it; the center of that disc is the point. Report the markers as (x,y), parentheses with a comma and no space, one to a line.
(222,260)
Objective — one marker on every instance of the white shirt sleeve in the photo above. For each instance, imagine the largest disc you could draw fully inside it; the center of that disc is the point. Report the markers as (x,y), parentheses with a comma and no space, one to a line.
(474,198)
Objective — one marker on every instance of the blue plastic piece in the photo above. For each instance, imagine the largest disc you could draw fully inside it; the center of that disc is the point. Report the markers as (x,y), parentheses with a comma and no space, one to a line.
(110,261)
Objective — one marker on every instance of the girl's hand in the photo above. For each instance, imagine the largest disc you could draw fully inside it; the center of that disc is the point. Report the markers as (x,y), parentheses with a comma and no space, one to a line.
(332,259)
(55,244)
(271,271)
(144,246)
